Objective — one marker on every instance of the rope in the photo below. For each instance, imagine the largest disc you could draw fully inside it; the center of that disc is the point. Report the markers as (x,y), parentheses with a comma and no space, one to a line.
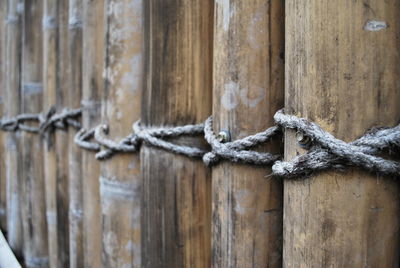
(44,122)
(328,152)
(237,151)
(132,143)
(324,151)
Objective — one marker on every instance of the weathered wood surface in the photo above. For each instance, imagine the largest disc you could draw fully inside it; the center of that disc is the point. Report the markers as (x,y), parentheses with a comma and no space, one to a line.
(12,108)
(49,99)
(33,206)
(74,92)
(93,59)
(7,257)
(3,181)
(248,89)
(120,176)
(61,137)
(343,76)
(176,201)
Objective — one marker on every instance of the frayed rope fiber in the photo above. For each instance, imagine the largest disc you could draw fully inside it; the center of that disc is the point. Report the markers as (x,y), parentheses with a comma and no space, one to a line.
(324,150)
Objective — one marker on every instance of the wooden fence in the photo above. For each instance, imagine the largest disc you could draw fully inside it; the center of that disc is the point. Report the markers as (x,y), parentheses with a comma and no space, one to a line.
(173,63)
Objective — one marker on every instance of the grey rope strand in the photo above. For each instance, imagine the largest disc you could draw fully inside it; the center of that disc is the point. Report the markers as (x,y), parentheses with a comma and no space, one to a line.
(132,143)
(44,122)
(236,151)
(359,153)
(324,152)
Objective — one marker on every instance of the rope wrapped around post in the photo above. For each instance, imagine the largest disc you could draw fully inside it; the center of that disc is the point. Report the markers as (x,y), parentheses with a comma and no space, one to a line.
(327,152)
(132,143)
(44,122)
(237,151)
(324,150)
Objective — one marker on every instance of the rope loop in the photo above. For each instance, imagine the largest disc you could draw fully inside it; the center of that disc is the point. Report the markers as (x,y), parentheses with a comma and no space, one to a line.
(112,147)
(324,151)
(155,137)
(131,143)
(44,122)
(68,117)
(237,151)
(327,152)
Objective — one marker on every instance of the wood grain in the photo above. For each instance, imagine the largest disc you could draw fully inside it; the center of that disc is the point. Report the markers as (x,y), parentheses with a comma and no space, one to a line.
(33,204)
(61,137)
(120,175)
(344,77)
(93,59)
(74,92)
(3,181)
(12,108)
(49,99)
(248,89)
(176,201)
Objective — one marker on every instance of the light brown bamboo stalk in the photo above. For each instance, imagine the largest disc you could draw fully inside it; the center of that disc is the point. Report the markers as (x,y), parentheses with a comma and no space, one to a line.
(74,152)
(120,176)
(33,198)
(176,202)
(12,108)
(342,72)
(61,137)
(248,89)
(3,182)
(49,99)
(93,53)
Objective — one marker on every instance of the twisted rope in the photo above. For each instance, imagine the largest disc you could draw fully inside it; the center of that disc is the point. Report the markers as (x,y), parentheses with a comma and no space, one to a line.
(328,152)
(324,150)
(44,122)
(237,151)
(132,143)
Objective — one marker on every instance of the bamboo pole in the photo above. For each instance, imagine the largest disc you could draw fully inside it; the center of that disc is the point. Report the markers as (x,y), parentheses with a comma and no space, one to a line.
(342,72)
(248,84)
(74,152)
(61,137)
(93,52)
(12,108)
(120,176)
(3,181)
(33,199)
(176,201)
(49,99)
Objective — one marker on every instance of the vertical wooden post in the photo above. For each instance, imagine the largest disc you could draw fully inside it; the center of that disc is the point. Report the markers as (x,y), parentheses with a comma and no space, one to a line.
(33,199)
(176,201)
(248,84)
(120,176)
(74,152)
(93,52)
(61,137)
(12,108)
(49,99)
(342,72)
(3,181)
